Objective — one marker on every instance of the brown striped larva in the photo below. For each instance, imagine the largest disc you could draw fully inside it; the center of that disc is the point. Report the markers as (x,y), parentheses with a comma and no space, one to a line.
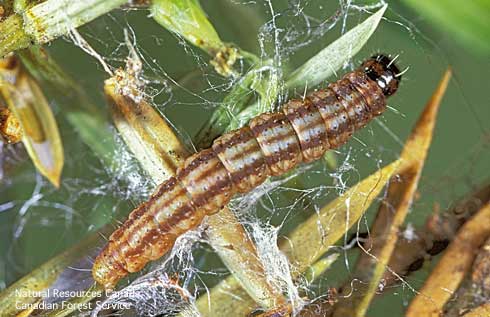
(238,161)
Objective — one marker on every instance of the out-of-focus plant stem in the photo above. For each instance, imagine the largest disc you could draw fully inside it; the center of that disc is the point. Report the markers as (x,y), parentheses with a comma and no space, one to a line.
(439,229)
(46,275)
(48,20)
(467,21)
(474,292)
(451,269)
(483,310)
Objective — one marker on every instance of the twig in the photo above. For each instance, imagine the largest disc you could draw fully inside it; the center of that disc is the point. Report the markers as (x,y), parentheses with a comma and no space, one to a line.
(434,237)
(475,291)
(48,20)
(451,269)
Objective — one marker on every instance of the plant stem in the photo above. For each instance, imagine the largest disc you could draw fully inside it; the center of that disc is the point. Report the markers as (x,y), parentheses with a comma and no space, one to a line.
(48,20)
(12,35)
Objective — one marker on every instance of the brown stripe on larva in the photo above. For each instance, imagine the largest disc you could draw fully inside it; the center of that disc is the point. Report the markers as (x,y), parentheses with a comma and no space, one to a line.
(337,121)
(199,173)
(308,124)
(275,135)
(194,161)
(287,154)
(138,244)
(353,102)
(343,92)
(242,157)
(254,170)
(182,217)
(231,139)
(240,160)
(140,215)
(153,243)
(369,90)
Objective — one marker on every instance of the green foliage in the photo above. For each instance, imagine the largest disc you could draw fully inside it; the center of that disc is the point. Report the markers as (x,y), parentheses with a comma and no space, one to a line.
(468,21)
(187,19)
(264,80)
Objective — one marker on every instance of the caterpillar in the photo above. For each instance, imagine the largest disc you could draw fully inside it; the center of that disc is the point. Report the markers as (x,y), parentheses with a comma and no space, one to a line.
(238,161)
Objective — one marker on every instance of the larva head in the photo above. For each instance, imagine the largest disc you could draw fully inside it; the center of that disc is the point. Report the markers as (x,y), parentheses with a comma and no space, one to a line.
(382,70)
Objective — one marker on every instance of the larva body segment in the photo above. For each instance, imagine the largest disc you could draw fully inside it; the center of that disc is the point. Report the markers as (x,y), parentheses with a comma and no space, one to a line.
(335,117)
(277,140)
(206,180)
(353,102)
(240,160)
(370,91)
(309,127)
(241,155)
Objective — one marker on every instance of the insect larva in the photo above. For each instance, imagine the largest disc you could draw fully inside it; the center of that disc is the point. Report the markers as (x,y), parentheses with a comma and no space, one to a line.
(238,161)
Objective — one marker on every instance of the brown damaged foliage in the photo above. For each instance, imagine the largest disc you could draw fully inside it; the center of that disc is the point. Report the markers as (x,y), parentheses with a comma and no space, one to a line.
(10,129)
(144,131)
(392,212)
(483,310)
(429,241)
(453,266)
(474,292)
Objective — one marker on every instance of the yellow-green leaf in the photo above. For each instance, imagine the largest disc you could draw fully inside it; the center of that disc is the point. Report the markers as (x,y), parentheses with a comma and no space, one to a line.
(187,19)
(305,245)
(328,60)
(392,213)
(40,132)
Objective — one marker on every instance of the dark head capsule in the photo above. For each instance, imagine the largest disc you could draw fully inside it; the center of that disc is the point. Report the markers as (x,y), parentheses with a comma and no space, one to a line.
(382,69)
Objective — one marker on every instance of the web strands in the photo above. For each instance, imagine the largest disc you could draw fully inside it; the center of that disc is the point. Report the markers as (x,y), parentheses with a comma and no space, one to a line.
(271,145)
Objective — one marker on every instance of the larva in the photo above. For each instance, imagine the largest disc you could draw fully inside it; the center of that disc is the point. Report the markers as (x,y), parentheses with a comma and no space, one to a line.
(238,161)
